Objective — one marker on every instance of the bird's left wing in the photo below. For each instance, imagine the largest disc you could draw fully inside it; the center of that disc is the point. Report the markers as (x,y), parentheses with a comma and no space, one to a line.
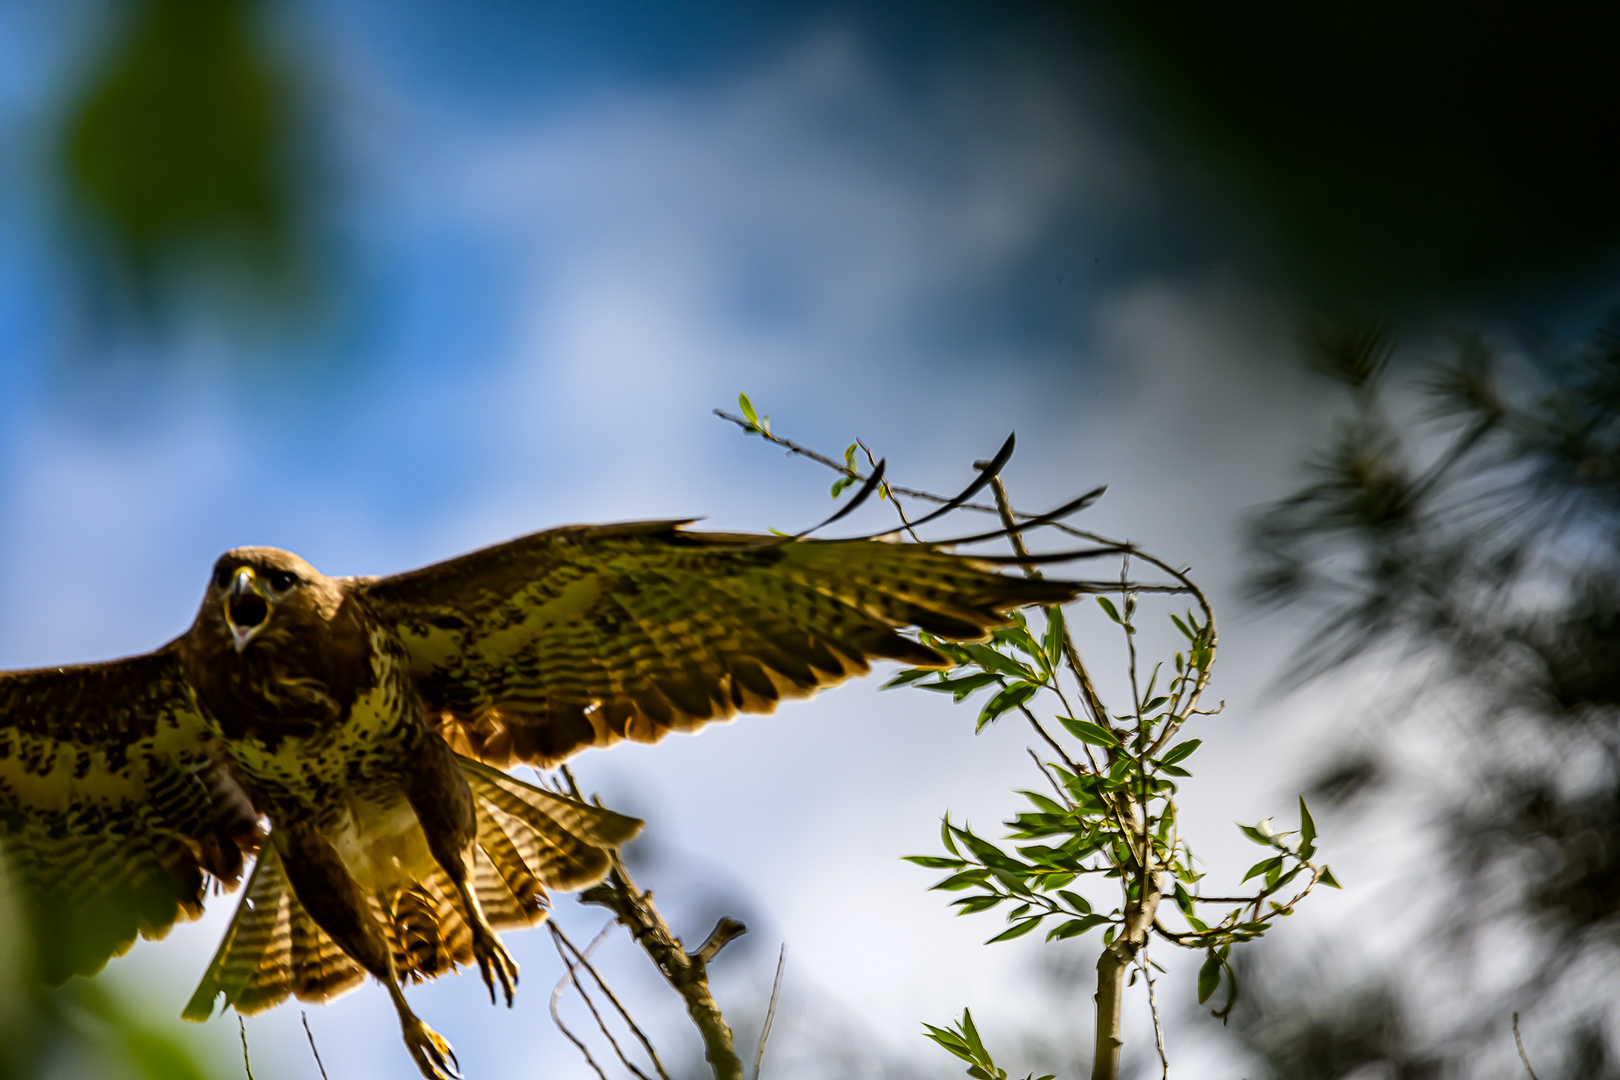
(586,635)
(114,810)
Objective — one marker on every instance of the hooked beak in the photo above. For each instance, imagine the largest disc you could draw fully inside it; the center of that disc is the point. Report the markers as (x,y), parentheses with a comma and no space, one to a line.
(246,609)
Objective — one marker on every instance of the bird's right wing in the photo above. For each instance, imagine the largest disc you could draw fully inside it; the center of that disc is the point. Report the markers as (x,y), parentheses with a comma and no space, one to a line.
(114,809)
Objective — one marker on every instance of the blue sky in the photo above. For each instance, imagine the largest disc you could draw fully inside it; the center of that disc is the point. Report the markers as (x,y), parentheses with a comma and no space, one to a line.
(560,235)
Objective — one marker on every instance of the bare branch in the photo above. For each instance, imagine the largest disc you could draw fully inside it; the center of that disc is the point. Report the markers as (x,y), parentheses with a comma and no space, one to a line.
(1153,1007)
(724,933)
(247,1064)
(584,960)
(557,938)
(310,1035)
(1518,1041)
(686,972)
(556,1016)
(770,1011)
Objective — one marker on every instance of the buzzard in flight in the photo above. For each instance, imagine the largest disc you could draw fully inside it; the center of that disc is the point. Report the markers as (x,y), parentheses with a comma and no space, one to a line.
(367,723)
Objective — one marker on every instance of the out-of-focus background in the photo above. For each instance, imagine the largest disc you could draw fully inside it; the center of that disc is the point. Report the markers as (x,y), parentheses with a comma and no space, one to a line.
(382,282)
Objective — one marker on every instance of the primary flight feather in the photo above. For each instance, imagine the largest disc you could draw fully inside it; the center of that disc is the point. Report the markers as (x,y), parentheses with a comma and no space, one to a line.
(366,722)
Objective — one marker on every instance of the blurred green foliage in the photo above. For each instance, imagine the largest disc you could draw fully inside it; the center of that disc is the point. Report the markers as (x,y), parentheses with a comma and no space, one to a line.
(1460,522)
(177,150)
(89,1027)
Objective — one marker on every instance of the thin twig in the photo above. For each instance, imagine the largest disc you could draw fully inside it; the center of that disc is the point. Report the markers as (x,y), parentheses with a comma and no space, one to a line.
(557,939)
(1053,743)
(1050,779)
(310,1035)
(770,1011)
(247,1064)
(1153,1008)
(585,962)
(894,499)
(1519,1042)
(556,1016)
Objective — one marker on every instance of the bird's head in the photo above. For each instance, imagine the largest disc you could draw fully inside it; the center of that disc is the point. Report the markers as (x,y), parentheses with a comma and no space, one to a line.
(260,592)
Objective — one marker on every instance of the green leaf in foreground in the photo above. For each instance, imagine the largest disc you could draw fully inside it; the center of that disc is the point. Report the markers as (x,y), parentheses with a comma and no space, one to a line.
(907,677)
(1018,929)
(1086,731)
(1307,831)
(1209,977)
(1052,640)
(1180,750)
(1008,697)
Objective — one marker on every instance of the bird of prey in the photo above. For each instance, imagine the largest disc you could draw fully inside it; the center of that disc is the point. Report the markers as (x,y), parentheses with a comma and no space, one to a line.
(352,732)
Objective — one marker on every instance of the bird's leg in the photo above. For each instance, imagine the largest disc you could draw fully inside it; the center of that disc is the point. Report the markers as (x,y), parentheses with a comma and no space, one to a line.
(444,805)
(335,901)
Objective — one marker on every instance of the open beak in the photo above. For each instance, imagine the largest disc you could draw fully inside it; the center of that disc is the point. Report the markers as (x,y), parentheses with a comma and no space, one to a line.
(246,609)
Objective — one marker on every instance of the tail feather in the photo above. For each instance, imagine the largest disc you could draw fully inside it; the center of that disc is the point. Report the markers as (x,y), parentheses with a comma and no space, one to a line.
(529,839)
(561,842)
(321,970)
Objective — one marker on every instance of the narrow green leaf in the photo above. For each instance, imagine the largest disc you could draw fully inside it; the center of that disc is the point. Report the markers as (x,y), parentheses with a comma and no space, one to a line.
(1180,751)
(1076,927)
(907,677)
(1329,880)
(1075,901)
(1120,770)
(971,1033)
(1263,839)
(1174,770)
(1052,640)
(972,905)
(748,409)
(1264,866)
(1307,831)
(1182,627)
(945,835)
(991,660)
(1020,639)
(1008,697)
(1154,703)
(934,862)
(1018,929)
(949,1040)
(1209,977)
(1086,731)
(1283,880)
(1108,608)
(961,687)
(1050,806)
(967,879)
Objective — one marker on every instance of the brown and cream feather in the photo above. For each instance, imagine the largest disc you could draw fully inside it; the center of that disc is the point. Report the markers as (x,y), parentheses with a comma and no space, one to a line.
(122,792)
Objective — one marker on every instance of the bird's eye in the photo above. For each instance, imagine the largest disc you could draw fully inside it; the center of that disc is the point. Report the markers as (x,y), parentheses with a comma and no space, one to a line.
(282,580)
(222,577)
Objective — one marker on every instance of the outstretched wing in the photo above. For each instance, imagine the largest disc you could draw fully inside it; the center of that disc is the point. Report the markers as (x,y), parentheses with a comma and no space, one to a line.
(586,635)
(113,810)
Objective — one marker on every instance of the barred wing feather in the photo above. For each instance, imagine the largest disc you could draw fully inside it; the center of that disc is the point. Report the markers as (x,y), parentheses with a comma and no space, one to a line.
(114,809)
(534,649)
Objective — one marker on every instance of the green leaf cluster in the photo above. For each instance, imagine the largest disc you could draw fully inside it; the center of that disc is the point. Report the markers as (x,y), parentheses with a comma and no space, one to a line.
(962,1039)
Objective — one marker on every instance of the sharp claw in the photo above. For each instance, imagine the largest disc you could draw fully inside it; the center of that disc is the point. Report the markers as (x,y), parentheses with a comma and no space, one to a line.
(430,1051)
(494,964)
